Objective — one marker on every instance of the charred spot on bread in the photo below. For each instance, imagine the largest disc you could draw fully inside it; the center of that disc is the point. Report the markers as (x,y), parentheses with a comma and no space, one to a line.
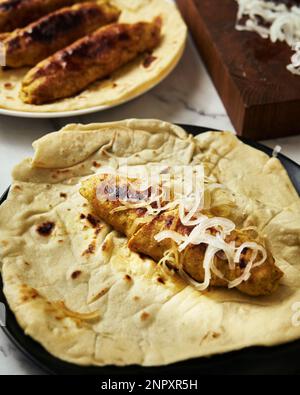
(46,228)
(76,274)
(93,220)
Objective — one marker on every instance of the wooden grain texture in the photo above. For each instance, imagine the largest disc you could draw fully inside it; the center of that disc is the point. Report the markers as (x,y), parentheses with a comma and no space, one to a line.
(261,97)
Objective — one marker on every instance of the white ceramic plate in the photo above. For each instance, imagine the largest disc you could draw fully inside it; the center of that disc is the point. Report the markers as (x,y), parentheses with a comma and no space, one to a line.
(88,110)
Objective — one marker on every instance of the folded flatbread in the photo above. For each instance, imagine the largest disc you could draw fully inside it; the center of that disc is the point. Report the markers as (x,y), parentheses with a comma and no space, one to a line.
(141,230)
(76,287)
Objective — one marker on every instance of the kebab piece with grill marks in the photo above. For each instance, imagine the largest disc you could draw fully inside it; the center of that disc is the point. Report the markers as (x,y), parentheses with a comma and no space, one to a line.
(142,230)
(89,59)
(37,41)
(19,13)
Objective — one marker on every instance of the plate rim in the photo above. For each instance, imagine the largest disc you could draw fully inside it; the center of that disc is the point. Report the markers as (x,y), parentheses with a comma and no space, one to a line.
(40,357)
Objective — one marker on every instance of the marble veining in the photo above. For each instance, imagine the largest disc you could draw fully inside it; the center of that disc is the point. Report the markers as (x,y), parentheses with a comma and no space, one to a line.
(186,96)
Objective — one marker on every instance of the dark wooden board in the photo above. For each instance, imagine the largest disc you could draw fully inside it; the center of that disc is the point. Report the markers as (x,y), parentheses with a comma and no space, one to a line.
(261,97)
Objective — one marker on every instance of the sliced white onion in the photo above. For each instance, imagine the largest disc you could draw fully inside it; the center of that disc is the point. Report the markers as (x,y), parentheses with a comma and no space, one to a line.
(281,23)
(190,209)
(192,205)
(214,268)
(170,257)
(251,246)
(215,245)
(256,248)
(170,234)
(199,233)
(276,151)
(294,67)
(209,256)
(246,274)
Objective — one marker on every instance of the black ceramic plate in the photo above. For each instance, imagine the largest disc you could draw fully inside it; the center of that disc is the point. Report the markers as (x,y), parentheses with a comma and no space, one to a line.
(283,359)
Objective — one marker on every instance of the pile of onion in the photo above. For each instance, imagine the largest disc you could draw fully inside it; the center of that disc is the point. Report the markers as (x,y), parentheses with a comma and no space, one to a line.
(190,205)
(280,23)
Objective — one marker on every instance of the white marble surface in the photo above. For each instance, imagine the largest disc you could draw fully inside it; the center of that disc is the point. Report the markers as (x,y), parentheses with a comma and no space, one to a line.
(186,96)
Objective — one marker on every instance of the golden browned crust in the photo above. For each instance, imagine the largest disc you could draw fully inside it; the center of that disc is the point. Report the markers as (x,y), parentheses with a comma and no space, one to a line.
(18,13)
(40,39)
(93,57)
(264,279)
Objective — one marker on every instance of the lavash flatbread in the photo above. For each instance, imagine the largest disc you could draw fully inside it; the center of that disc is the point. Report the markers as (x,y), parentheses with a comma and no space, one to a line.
(126,83)
(85,267)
